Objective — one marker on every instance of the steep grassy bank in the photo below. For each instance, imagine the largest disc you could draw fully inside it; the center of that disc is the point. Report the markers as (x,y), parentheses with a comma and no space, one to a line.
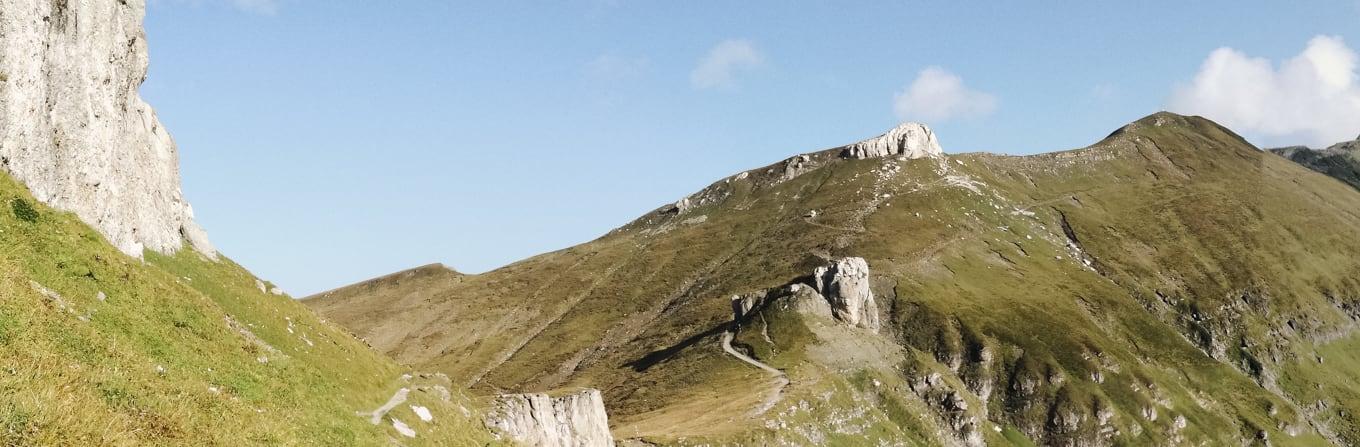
(97,348)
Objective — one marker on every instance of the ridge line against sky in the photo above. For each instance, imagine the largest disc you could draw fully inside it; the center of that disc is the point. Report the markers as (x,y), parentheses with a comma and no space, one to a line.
(328,142)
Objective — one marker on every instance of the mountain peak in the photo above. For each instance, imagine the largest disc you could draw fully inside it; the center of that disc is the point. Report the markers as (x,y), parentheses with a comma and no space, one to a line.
(912,140)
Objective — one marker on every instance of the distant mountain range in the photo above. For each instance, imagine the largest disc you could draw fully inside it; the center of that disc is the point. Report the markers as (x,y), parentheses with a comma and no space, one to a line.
(1341,160)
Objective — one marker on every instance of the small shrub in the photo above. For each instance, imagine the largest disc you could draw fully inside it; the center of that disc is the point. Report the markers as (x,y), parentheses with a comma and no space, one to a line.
(23,210)
(7,326)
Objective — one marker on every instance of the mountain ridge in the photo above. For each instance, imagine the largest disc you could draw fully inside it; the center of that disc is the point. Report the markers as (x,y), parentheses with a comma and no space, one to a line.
(1340,161)
(1068,239)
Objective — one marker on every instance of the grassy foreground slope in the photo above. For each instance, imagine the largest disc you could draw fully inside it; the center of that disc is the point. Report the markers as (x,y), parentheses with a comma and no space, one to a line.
(1170,284)
(97,348)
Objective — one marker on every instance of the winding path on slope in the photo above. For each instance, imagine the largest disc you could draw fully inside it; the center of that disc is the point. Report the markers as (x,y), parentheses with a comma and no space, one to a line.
(376,416)
(727,347)
(782,378)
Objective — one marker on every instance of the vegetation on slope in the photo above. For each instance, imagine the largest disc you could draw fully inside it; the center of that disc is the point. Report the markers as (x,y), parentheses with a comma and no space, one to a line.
(1169,284)
(103,349)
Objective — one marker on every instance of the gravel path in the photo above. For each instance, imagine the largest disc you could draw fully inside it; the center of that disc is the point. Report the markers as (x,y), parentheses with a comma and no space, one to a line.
(779,375)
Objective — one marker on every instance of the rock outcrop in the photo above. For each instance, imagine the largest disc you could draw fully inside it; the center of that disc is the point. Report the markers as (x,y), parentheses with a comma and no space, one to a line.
(845,284)
(911,140)
(577,419)
(75,131)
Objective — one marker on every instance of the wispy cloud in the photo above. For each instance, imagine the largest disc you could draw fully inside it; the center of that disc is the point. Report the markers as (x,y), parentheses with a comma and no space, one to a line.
(610,67)
(1312,98)
(937,95)
(263,7)
(719,68)
(1104,92)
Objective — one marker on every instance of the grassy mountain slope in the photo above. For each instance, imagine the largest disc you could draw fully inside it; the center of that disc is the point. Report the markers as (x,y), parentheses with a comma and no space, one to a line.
(1169,284)
(407,289)
(102,349)
(1341,160)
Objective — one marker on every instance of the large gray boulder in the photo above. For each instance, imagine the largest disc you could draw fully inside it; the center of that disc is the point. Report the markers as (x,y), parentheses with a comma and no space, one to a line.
(576,419)
(74,130)
(845,284)
(910,140)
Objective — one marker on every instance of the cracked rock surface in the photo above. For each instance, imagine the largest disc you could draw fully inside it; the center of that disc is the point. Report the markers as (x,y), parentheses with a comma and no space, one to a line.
(74,130)
(845,284)
(911,140)
(577,419)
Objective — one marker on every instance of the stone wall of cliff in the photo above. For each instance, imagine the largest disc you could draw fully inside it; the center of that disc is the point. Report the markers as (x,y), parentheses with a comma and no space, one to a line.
(74,130)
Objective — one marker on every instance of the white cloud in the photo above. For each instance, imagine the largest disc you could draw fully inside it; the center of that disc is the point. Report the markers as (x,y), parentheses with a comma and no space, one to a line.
(938,95)
(611,67)
(1104,92)
(265,7)
(722,63)
(1312,98)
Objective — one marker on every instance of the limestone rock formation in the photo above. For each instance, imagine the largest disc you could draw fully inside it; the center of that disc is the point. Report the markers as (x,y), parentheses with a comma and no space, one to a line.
(845,284)
(808,302)
(911,140)
(75,131)
(577,419)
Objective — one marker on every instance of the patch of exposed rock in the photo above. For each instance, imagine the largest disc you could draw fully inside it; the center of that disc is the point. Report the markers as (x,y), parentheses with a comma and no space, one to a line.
(845,284)
(577,419)
(839,290)
(74,130)
(911,140)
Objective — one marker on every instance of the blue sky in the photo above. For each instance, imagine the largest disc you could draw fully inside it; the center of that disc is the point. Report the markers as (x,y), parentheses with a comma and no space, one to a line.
(325,142)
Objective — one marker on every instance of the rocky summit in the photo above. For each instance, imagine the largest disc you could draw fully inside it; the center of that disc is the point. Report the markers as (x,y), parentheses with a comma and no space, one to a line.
(911,140)
(1155,288)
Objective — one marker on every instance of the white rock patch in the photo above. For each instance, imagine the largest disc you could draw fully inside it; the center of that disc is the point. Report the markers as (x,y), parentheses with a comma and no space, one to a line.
(423,413)
(572,420)
(402,428)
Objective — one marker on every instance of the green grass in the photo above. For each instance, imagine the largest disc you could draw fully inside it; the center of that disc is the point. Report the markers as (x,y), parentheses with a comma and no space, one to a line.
(155,363)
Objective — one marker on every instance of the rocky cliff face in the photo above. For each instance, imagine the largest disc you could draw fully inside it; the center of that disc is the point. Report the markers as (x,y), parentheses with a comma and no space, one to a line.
(540,420)
(845,284)
(912,140)
(75,131)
